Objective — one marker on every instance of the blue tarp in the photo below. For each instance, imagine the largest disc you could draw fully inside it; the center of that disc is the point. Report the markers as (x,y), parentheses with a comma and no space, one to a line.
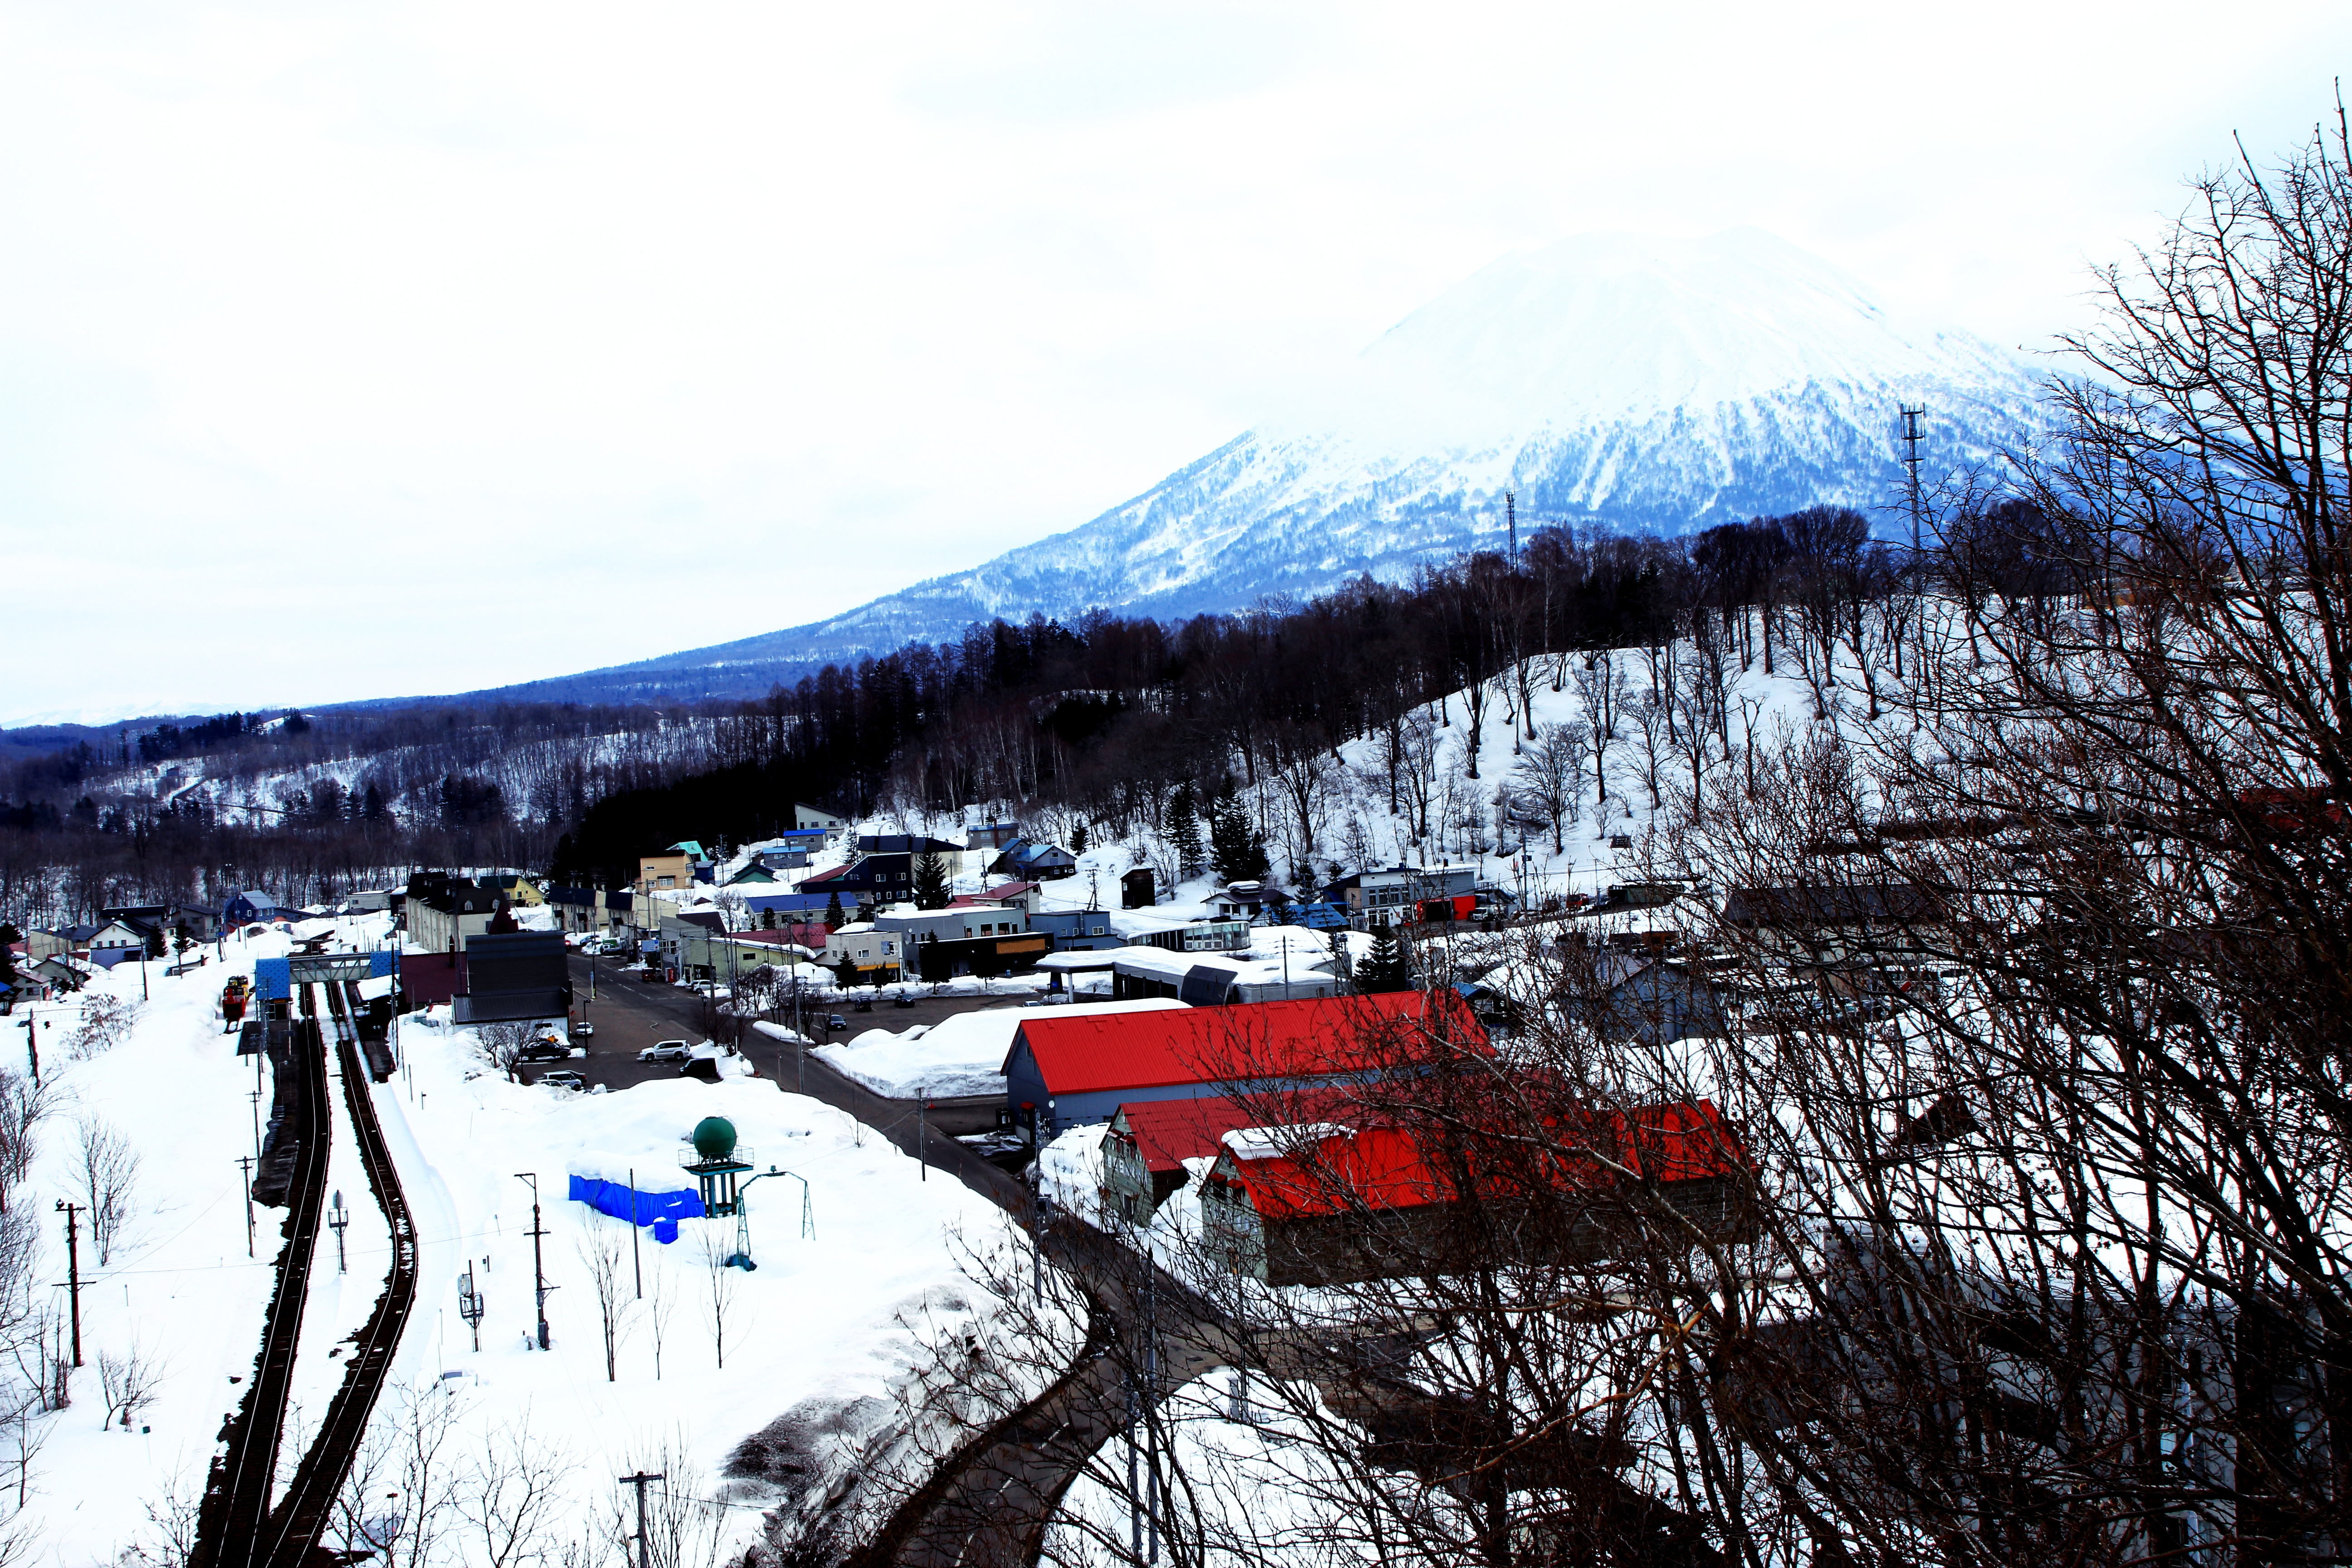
(660,1210)
(273,979)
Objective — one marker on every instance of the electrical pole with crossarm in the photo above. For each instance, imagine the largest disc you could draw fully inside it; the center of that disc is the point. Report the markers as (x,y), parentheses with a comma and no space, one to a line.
(73,1272)
(639,1481)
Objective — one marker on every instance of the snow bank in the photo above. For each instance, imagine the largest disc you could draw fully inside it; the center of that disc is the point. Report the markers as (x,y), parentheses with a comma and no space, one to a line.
(961,1055)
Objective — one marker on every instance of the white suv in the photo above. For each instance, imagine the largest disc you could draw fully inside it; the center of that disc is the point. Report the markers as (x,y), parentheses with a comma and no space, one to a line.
(666,1051)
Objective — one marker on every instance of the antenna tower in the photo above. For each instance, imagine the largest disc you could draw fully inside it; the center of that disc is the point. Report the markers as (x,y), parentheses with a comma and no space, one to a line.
(1511,517)
(1911,417)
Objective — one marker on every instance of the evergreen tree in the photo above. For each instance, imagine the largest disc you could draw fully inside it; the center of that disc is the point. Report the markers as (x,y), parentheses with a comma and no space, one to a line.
(767,920)
(1384,967)
(834,919)
(371,803)
(1184,827)
(931,889)
(1078,837)
(1236,849)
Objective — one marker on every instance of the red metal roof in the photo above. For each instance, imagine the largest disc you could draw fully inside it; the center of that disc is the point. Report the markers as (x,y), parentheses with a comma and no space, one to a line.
(1319,1037)
(1382,1167)
(1169,1132)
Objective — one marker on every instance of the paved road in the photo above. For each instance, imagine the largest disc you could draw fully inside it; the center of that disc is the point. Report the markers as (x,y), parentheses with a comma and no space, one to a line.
(630,1015)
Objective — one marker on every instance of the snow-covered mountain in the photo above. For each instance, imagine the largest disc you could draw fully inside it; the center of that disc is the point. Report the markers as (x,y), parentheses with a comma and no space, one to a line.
(1651,385)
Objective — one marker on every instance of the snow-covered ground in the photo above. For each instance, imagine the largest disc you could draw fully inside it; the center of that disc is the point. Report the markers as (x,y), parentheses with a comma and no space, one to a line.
(818,1320)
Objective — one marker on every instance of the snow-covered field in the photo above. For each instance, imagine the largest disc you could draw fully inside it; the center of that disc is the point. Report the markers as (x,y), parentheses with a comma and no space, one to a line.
(818,1318)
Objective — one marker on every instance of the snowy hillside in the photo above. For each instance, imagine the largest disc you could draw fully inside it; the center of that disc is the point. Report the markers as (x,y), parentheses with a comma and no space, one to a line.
(1652,385)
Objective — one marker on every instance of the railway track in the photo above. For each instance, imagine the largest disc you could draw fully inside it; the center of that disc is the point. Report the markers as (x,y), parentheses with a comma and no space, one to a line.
(230,1519)
(292,1531)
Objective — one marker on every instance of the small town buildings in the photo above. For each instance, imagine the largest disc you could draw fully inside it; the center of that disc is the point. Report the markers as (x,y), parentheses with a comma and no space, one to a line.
(116,940)
(954,923)
(877,956)
(915,846)
(1082,1069)
(1244,900)
(1211,980)
(1023,895)
(445,912)
(512,977)
(518,890)
(990,834)
(806,817)
(1328,1202)
(1031,860)
(1203,935)
(1397,892)
(1849,939)
(677,867)
(1137,890)
(252,907)
(60,973)
(1147,1142)
(1076,929)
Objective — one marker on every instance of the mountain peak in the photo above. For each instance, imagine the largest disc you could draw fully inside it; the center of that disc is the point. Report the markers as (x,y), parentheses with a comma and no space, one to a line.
(1640,382)
(1615,326)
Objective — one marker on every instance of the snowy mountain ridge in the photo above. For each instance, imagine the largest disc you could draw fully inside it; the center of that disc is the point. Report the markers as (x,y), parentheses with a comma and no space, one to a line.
(1648,384)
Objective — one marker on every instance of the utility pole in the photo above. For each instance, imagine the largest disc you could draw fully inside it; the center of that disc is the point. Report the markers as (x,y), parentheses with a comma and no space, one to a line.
(338,1219)
(922,1150)
(73,1272)
(1511,516)
(245,1163)
(638,1481)
(538,1263)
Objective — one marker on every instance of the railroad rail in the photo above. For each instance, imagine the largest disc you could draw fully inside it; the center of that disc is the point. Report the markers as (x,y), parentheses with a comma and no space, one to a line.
(292,1531)
(230,1518)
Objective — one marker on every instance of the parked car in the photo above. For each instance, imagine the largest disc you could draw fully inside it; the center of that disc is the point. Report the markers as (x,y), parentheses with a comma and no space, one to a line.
(705,1069)
(902,1000)
(582,1029)
(543,1050)
(835,1021)
(564,1077)
(666,1051)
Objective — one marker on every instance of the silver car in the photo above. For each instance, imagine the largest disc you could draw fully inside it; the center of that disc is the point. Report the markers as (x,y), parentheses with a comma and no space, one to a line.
(666,1051)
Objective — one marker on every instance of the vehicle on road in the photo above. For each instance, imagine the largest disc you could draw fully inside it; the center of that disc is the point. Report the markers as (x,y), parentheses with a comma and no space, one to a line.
(582,1029)
(564,1077)
(666,1051)
(543,1051)
(902,1000)
(650,975)
(835,1021)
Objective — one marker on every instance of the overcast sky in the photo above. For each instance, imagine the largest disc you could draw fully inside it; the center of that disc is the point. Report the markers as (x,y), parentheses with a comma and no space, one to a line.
(349,351)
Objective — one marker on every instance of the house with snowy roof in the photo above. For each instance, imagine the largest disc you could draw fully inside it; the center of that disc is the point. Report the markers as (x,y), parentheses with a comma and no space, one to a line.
(1034,860)
(1083,1069)
(251,906)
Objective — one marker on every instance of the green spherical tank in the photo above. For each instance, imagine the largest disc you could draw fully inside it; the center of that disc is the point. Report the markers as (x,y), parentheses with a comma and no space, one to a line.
(714,1138)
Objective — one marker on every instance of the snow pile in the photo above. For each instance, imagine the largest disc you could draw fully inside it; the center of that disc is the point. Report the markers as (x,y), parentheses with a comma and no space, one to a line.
(961,1055)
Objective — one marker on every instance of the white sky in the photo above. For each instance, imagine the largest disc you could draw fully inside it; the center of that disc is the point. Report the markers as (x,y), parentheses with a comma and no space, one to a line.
(350,351)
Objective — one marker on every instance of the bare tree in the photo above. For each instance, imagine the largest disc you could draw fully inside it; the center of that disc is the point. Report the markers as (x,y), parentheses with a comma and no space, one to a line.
(128,1380)
(105,1020)
(404,1480)
(600,1249)
(501,1043)
(719,1282)
(1604,690)
(23,1103)
(1552,776)
(510,1496)
(660,1297)
(109,1166)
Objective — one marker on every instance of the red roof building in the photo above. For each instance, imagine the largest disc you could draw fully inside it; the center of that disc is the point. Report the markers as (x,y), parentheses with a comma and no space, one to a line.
(1083,1069)
(1330,1204)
